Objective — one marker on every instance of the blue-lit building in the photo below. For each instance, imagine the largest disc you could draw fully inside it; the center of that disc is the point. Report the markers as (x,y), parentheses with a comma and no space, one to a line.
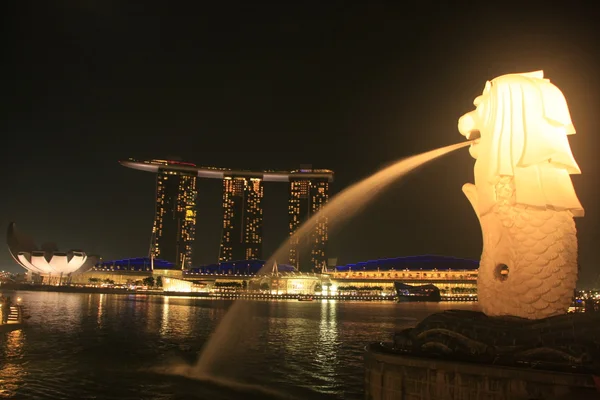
(411,263)
(139,264)
(244,267)
(127,270)
(453,276)
(425,263)
(145,264)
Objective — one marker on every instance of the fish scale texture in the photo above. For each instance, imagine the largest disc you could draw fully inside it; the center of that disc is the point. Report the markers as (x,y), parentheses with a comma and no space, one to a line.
(539,247)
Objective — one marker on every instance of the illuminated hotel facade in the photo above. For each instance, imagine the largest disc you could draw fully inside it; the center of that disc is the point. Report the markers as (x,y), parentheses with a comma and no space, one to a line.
(242,230)
(174,227)
(242,219)
(307,197)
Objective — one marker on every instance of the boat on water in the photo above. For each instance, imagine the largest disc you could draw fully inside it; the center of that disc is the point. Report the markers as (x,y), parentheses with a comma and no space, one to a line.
(305,297)
(408,293)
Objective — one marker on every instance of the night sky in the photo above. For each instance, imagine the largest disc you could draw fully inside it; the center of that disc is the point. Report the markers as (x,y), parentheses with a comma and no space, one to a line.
(333,84)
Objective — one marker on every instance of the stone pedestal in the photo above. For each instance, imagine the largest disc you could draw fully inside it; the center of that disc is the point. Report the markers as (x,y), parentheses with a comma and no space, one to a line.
(391,376)
(463,355)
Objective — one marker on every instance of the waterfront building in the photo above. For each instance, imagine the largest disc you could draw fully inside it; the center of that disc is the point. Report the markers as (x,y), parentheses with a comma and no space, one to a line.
(242,219)
(307,196)
(453,276)
(46,264)
(6,277)
(251,275)
(130,270)
(174,227)
(242,237)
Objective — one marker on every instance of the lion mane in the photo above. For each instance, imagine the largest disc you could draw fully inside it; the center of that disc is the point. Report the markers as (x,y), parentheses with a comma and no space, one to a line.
(524,121)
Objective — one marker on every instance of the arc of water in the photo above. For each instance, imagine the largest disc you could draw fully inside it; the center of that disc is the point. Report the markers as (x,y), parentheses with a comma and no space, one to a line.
(342,206)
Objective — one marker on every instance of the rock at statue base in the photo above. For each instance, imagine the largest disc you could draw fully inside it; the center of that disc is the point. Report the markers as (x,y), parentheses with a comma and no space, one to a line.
(568,343)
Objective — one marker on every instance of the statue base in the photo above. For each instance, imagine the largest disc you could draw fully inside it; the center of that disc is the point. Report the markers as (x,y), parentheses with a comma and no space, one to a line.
(468,355)
(566,343)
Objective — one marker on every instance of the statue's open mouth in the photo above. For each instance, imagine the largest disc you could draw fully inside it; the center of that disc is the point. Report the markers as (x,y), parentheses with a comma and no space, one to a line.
(474,135)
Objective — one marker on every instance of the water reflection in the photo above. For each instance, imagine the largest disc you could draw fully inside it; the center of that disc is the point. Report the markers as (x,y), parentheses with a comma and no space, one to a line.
(100,310)
(14,344)
(102,346)
(12,373)
(179,317)
(327,349)
(69,306)
(89,305)
(164,322)
(217,311)
(328,325)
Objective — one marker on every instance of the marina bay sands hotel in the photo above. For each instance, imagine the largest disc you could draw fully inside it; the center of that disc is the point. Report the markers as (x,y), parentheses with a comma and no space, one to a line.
(174,226)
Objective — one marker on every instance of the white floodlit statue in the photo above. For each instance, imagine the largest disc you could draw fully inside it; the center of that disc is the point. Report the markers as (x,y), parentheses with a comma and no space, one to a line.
(523,196)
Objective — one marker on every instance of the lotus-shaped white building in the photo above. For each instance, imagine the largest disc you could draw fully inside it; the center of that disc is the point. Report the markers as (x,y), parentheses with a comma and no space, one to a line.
(47,260)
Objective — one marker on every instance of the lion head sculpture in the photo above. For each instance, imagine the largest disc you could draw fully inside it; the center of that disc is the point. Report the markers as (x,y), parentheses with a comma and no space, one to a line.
(520,127)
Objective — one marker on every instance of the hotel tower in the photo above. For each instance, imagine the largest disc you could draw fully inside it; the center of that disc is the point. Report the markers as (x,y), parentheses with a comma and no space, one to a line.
(174,225)
(242,219)
(308,194)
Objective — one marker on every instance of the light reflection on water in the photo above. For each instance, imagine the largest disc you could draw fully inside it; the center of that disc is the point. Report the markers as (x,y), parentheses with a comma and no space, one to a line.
(164,325)
(79,346)
(12,371)
(100,305)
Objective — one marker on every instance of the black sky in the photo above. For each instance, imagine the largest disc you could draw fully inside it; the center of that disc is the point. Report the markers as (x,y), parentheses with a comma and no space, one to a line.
(339,85)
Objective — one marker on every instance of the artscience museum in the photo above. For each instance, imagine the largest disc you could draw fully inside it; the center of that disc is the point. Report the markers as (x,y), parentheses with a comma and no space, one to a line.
(46,263)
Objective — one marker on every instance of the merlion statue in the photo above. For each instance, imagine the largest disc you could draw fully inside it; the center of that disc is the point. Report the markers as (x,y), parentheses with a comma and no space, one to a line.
(525,202)
(523,196)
